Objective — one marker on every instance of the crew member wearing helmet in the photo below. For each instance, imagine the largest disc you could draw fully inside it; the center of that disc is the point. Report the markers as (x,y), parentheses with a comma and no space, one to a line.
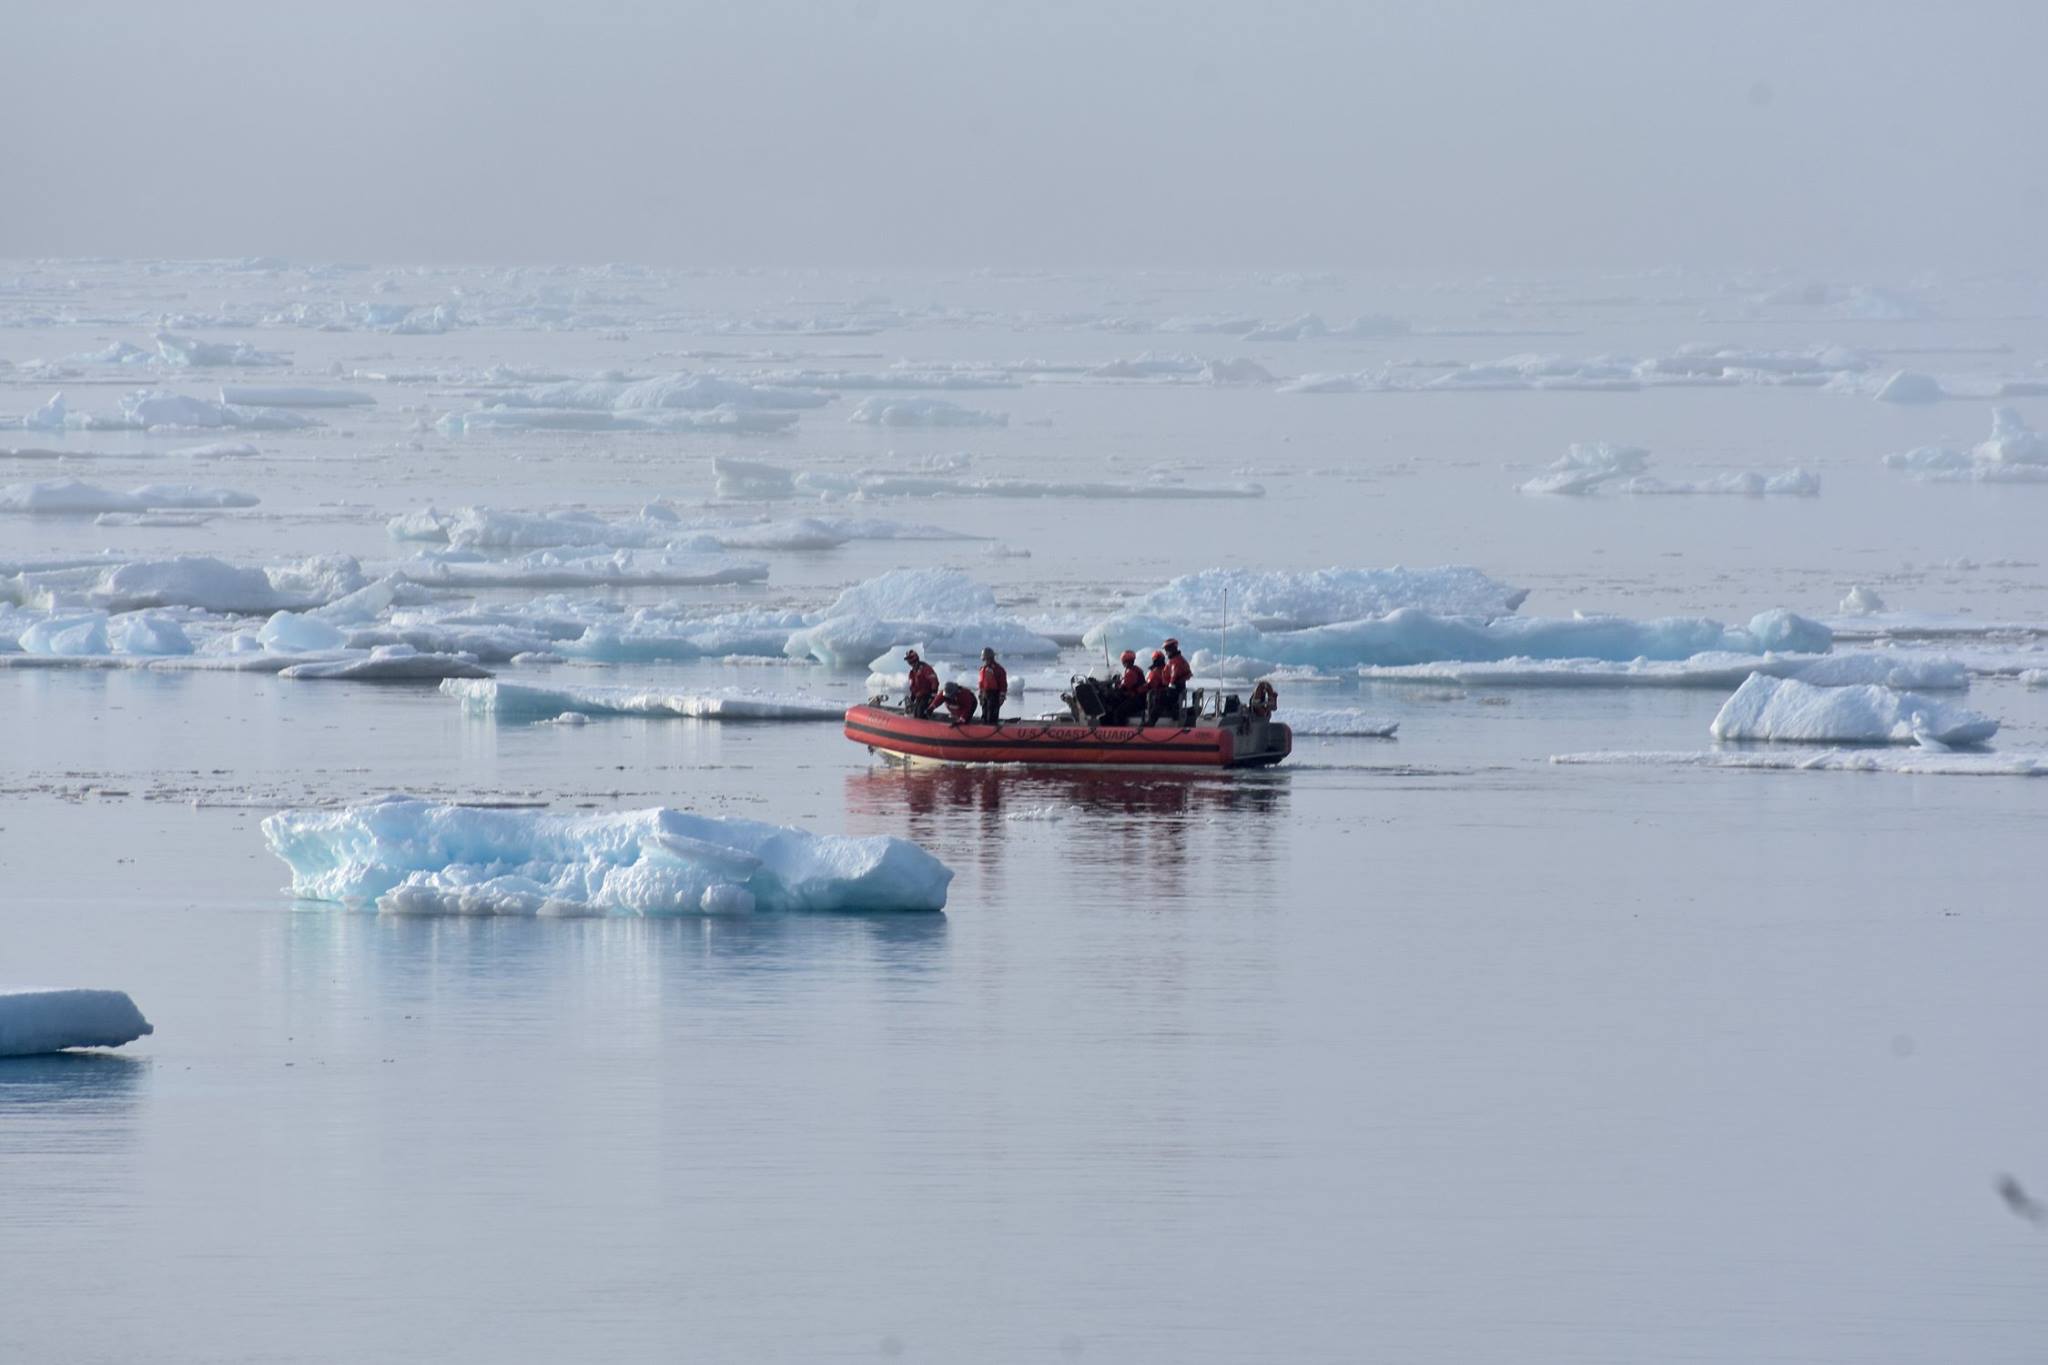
(924,685)
(993,685)
(1129,698)
(1178,672)
(959,703)
(1156,688)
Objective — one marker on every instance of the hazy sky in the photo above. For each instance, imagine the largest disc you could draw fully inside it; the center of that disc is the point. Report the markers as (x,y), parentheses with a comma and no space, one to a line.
(953,132)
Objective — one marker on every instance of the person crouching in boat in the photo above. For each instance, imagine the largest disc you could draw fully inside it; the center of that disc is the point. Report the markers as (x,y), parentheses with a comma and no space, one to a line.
(1179,672)
(1128,701)
(959,703)
(1156,689)
(994,684)
(924,686)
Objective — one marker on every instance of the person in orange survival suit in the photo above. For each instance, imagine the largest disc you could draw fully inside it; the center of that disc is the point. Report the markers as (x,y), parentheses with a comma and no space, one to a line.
(1178,673)
(1128,700)
(924,686)
(994,685)
(1155,688)
(959,703)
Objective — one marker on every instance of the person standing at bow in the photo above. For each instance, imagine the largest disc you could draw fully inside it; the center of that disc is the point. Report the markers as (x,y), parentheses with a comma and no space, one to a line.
(993,686)
(924,686)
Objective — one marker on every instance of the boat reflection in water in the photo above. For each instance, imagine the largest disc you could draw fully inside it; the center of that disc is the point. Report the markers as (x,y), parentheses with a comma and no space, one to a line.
(1170,827)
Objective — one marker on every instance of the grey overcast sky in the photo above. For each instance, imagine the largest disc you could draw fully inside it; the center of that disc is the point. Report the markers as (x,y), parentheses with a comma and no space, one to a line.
(1038,132)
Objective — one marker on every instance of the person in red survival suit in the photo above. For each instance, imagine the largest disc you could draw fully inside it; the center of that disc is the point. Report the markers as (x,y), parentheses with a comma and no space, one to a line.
(994,685)
(924,686)
(1129,699)
(959,703)
(1155,688)
(1178,672)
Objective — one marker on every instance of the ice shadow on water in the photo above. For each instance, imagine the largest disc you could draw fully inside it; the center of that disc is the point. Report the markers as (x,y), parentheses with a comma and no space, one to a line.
(70,1081)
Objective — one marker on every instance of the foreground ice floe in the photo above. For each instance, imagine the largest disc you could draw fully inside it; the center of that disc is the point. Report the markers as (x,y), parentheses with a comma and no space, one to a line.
(1882,668)
(409,856)
(526,702)
(1930,762)
(33,1022)
(1788,710)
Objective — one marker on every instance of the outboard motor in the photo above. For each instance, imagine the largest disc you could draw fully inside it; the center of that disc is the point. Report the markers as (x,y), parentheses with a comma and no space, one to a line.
(1086,700)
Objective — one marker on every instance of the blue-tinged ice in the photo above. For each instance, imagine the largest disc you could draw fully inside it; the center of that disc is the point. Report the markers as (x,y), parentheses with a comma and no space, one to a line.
(33,1022)
(402,855)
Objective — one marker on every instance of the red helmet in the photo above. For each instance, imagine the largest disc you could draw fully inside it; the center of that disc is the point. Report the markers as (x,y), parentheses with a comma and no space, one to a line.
(1130,656)
(1157,657)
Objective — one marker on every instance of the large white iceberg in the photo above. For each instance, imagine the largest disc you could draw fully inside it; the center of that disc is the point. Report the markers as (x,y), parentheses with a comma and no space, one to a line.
(526,701)
(1786,709)
(1585,466)
(409,856)
(33,1022)
(213,585)
(1284,599)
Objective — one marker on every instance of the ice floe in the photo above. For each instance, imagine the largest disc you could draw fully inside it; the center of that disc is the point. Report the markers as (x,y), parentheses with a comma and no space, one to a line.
(408,856)
(1591,467)
(70,497)
(1337,722)
(1922,762)
(581,568)
(922,412)
(248,395)
(1712,669)
(1789,710)
(1281,599)
(527,701)
(388,663)
(2013,453)
(945,608)
(189,351)
(33,1022)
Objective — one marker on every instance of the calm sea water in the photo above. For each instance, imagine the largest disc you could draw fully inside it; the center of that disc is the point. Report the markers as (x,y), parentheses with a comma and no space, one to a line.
(1422,1050)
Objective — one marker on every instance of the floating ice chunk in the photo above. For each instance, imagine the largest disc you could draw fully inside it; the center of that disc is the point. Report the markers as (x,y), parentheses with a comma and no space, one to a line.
(752,479)
(409,856)
(1718,669)
(51,416)
(68,496)
(905,377)
(2034,677)
(84,633)
(217,450)
(212,585)
(1793,482)
(726,418)
(2012,441)
(1918,762)
(151,410)
(1322,383)
(1786,709)
(1861,601)
(1306,327)
(1787,632)
(389,663)
(247,395)
(1413,636)
(1338,721)
(922,412)
(525,701)
(1148,365)
(290,633)
(188,351)
(147,633)
(943,606)
(33,1022)
(1282,599)
(1232,372)
(571,568)
(1586,466)
(1906,386)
